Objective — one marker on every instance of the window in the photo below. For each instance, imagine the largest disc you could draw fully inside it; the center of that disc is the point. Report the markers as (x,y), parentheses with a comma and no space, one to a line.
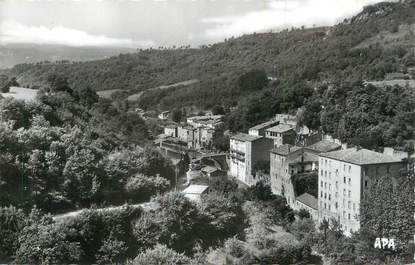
(321,172)
(337,184)
(321,183)
(325,162)
(344,192)
(329,175)
(350,169)
(366,183)
(325,195)
(329,186)
(336,205)
(325,185)
(325,206)
(344,167)
(344,214)
(325,174)
(321,195)
(349,216)
(350,181)
(350,193)
(354,206)
(329,207)
(349,205)
(329,197)
(344,180)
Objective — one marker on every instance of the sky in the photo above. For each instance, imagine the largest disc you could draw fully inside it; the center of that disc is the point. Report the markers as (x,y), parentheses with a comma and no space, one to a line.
(155,23)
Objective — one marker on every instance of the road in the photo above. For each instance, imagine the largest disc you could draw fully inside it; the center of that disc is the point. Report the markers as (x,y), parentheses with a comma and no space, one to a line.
(146,207)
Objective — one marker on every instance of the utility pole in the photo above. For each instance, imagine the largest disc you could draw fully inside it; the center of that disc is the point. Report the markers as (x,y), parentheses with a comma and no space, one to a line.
(176,171)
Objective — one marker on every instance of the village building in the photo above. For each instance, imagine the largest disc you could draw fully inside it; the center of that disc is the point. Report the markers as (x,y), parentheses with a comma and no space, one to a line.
(197,132)
(245,151)
(170,130)
(211,172)
(309,203)
(210,121)
(345,176)
(164,115)
(259,130)
(188,134)
(194,192)
(204,137)
(288,162)
(286,119)
(281,134)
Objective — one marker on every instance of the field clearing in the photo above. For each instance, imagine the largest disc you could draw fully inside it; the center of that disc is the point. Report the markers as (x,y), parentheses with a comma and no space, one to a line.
(21,93)
(136,96)
(400,82)
(107,93)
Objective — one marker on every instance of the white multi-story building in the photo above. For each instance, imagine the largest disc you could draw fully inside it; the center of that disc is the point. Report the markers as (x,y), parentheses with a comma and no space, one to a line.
(245,151)
(344,177)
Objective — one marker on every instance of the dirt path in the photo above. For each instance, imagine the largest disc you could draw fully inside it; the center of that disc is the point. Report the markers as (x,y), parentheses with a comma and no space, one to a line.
(146,207)
(183,83)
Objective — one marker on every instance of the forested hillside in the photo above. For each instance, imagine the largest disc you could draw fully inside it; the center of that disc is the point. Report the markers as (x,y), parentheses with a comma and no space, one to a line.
(305,64)
(318,54)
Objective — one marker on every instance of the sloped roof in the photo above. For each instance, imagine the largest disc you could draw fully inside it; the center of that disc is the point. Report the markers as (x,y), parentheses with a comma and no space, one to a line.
(280,128)
(324,146)
(195,189)
(308,200)
(306,157)
(285,149)
(264,125)
(209,169)
(361,156)
(245,137)
(188,127)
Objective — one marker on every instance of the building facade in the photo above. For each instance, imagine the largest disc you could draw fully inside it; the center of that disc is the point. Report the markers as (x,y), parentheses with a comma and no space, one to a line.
(281,134)
(245,151)
(288,161)
(309,203)
(170,130)
(188,134)
(343,179)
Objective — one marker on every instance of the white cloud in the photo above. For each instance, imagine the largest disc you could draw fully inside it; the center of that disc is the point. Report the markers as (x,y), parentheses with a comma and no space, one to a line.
(15,32)
(282,14)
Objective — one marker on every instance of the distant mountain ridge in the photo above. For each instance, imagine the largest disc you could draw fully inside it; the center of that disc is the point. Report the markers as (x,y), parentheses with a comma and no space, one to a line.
(12,54)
